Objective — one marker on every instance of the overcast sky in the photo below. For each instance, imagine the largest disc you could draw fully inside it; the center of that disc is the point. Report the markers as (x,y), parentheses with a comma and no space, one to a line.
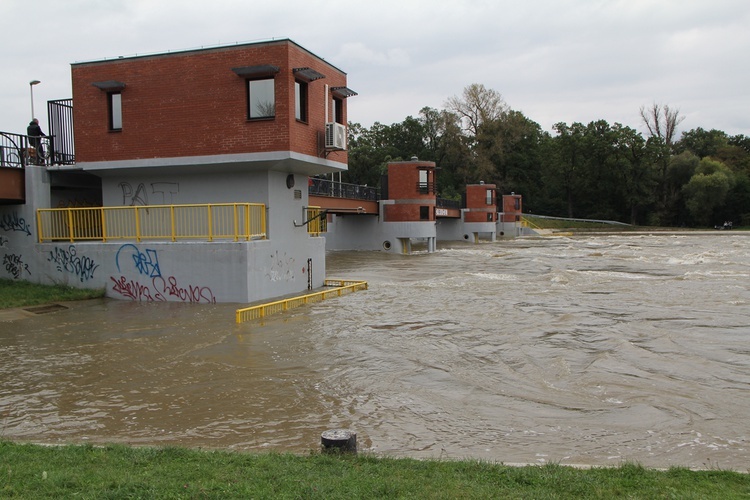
(553,60)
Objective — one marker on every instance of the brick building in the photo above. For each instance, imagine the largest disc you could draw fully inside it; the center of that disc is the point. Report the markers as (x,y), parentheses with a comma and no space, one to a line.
(246,104)
(232,130)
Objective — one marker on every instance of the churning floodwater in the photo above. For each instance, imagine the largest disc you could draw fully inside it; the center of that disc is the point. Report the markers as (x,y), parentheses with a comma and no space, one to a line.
(583,350)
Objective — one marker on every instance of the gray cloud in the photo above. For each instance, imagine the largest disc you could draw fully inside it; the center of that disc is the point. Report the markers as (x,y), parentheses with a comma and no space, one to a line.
(554,60)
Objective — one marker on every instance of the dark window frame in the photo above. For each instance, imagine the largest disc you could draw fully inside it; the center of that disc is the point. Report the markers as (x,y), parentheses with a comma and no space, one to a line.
(301,100)
(424,212)
(248,86)
(114,111)
(338,110)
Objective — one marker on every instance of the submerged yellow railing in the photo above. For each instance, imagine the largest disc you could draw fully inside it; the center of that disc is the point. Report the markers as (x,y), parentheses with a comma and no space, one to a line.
(236,221)
(342,287)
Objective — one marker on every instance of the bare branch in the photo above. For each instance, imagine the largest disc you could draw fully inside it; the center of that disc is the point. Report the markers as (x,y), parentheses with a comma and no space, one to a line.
(477,105)
(661,121)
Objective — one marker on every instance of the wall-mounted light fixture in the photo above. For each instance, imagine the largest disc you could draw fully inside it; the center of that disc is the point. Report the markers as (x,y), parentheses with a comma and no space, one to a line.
(31,87)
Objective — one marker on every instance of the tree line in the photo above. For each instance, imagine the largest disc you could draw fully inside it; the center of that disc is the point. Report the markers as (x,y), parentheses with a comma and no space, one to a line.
(596,170)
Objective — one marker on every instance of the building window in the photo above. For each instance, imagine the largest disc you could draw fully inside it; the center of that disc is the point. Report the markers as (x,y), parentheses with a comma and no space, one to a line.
(338,110)
(517,203)
(261,99)
(489,197)
(424,186)
(114,104)
(424,213)
(300,100)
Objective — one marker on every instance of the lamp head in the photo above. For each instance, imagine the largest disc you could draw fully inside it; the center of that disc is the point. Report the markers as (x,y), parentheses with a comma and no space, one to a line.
(34,82)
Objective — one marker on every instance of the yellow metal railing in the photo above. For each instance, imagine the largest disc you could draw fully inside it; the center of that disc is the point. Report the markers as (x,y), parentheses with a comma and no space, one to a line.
(318,221)
(236,221)
(342,287)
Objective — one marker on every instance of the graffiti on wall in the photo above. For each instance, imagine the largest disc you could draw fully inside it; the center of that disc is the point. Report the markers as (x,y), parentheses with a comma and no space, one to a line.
(165,193)
(162,193)
(67,260)
(282,267)
(133,290)
(3,241)
(12,222)
(76,203)
(160,288)
(14,265)
(146,263)
(133,197)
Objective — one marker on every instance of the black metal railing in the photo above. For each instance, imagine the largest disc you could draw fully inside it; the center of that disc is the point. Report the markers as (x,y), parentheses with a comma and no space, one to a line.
(60,115)
(426,187)
(17,151)
(13,150)
(446,203)
(333,189)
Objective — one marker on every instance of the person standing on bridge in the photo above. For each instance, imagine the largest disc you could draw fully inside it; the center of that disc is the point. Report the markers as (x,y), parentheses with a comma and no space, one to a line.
(34,131)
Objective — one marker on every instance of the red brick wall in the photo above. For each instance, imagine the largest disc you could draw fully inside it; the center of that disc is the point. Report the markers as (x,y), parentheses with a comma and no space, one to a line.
(510,213)
(408,212)
(193,104)
(403,181)
(403,178)
(476,203)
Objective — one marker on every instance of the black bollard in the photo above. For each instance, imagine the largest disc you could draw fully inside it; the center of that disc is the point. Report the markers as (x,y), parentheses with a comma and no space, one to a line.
(339,440)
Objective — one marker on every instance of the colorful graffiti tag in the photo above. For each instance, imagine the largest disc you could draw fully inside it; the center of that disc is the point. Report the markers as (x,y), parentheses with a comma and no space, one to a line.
(14,265)
(161,288)
(68,261)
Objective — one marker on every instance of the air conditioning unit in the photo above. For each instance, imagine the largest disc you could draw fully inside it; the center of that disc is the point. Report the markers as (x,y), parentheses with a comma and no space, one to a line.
(335,136)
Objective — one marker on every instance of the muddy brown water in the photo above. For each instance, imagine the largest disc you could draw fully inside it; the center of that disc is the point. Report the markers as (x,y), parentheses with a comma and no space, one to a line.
(583,350)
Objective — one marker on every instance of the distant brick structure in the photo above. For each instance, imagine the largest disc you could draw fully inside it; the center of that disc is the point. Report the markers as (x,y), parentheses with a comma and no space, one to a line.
(512,207)
(481,203)
(411,184)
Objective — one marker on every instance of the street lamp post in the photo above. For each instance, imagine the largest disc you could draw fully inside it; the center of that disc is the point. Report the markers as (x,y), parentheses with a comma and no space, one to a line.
(31,87)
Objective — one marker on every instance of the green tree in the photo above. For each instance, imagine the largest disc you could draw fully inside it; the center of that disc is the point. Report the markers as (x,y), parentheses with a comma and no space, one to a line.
(519,168)
(681,169)
(702,142)
(634,167)
(477,106)
(707,190)
(737,205)
(735,157)
(408,139)
(565,166)
(599,192)
(478,112)
(595,170)
(662,122)
(740,141)
(369,152)
(447,146)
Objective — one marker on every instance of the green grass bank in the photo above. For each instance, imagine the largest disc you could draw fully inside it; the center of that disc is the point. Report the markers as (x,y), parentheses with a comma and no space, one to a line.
(116,471)
(14,293)
(580,225)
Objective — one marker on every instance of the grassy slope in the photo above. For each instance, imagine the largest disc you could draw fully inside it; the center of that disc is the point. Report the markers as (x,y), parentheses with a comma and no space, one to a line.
(30,471)
(583,226)
(22,293)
